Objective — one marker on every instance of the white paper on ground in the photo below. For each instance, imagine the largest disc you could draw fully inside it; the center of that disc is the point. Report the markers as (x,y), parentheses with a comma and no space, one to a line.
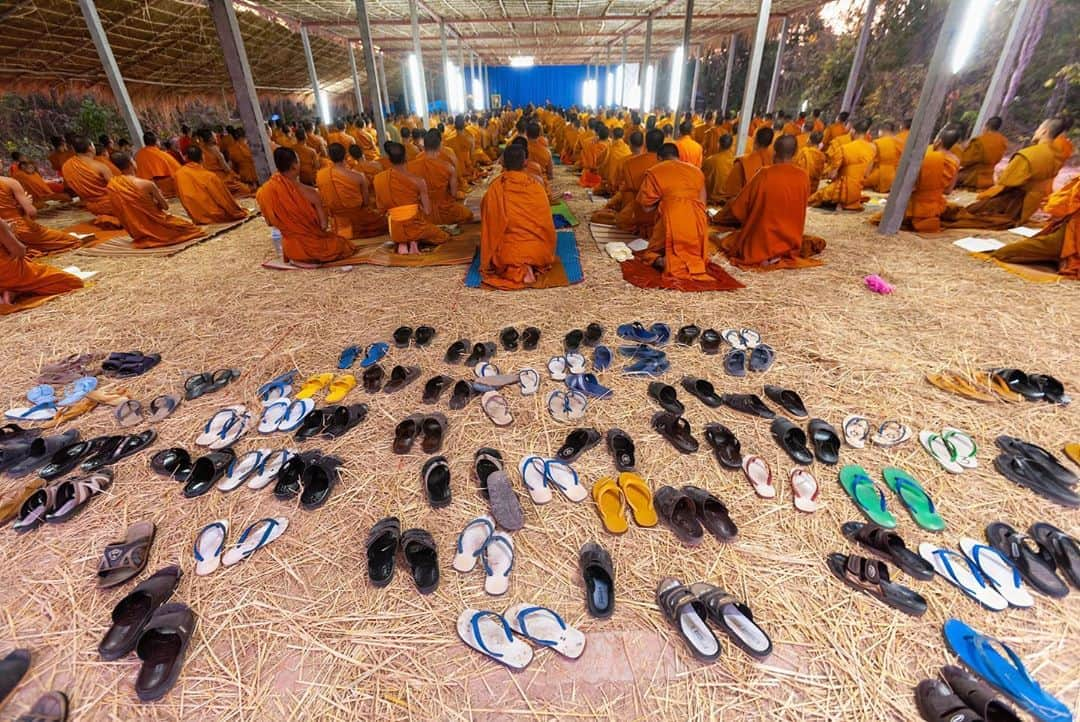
(84,275)
(1024,231)
(978,245)
(638,244)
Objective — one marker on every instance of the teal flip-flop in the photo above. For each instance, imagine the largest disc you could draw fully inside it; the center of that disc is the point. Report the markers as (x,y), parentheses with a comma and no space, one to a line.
(914,497)
(866,495)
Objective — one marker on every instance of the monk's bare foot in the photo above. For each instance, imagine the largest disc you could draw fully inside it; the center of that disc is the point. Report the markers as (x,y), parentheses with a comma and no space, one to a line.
(530,275)
(6,298)
(403,248)
(414,248)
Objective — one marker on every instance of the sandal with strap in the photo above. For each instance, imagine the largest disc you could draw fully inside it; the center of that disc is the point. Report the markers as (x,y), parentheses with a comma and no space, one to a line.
(871,577)
(124,560)
(72,495)
(890,546)
(866,495)
(687,614)
(734,618)
(676,429)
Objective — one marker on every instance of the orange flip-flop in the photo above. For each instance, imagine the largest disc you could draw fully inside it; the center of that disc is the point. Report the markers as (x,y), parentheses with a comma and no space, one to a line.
(611,504)
(638,498)
(957,383)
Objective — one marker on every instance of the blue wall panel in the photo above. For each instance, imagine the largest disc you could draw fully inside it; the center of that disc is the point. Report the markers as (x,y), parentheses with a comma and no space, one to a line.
(559,84)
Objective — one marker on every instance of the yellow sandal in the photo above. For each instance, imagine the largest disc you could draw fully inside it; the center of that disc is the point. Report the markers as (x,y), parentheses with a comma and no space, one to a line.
(638,498)
(611,504)
(314,385)
(340,388)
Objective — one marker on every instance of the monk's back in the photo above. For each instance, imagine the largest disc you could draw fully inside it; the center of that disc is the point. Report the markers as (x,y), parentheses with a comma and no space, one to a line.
(888,150)
(85,177)
(678,179)
(635,167)
(393,188)
(857,155)
(436,174)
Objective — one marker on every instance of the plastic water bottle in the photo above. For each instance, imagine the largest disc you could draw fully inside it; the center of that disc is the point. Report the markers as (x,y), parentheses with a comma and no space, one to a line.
(275,238)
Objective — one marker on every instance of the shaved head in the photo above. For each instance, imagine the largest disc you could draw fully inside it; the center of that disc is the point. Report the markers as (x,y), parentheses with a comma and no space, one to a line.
(668,151)
(763,138)
(785,148)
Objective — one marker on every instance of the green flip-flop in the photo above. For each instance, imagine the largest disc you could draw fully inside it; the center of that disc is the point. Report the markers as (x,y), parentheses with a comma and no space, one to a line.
(866,495)
(914,497)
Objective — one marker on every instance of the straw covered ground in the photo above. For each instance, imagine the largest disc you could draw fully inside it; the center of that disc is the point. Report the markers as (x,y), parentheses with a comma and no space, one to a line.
(296,633)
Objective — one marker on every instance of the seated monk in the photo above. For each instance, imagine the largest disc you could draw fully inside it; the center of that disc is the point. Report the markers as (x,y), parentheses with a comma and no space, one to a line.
(689,149)
(1058,243)
(592,156)
(517,234)
(905,131)
(749,163)
(981,156)
(571,136)
(60,154)
(413,140)
(22,279)
(90,179)
(1020,189)
(366,141)
(204,195)
(772,212)
(17,208)
(154,164)
(215,162)
(143,210)
(309,158)
(39,190)
(676,190)
(887,157)
(937,176)
(609,171)
(812,160)
(296,211)
(313,140)
(403,196)
(440,177)
(338,135)
(606,215)
(169,146)
(538,151)
(836,129)
(356,162)
(462,146)
(717,167)
(344,195)
(848,163)
(241,158)
(533,169)
(105,149)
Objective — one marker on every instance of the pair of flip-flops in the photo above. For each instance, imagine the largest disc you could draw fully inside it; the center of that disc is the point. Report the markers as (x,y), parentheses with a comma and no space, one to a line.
(257,468)
(417,546)
(1033,387)
(691,609)
(540,475)
(981,572)
(1034,468)
(479,541)
(131,412)
(372,355)
(559,367)
(566,406)
(952,448)
(208,382)
(422,336)
(210,552)
(613,496)
(502,637)
(656,335)
(225,427)
(758,359)
(588,385)
(511,340)
(128,364)
(793,440)
(859,430)
(805,489)
(285,415)
(590,337)
(58,502)
(870,499)
(44,403)
(646,361)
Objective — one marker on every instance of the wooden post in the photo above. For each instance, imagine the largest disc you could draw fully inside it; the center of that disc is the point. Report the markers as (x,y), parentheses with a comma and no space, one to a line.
(857,60)
(732,45)
(995,92)
(112,72)
(752,73)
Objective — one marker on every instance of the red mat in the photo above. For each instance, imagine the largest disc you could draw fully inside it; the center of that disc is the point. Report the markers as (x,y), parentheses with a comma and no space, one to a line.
(643,275)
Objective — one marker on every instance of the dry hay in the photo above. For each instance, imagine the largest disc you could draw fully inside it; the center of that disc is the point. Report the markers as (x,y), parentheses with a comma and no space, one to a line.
(296,633)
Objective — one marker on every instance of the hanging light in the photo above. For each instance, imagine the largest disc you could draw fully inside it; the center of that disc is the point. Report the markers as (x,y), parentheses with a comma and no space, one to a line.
(676,79)
(414,82)
(521,61)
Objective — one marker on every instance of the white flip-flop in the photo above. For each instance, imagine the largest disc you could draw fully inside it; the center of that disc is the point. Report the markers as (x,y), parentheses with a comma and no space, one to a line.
(232,432)
(750,337)
(498,563)
(242,468)
(576,363)
(557,368)
(576,403)
(891,433)
(805,489)
(471,542)
(209,545)
(216,425)
(533,473)
(733,337)
(268,470)
(856,431)
(556,405)
(486,369)
(563,477)
(489,634)
(962,445)
(759,475)
(999,571)
(496,407)
(273,414)
(39,412)
(545,627)
(964,574)
(941,450)
(529,381)
(295,415)
(254,538)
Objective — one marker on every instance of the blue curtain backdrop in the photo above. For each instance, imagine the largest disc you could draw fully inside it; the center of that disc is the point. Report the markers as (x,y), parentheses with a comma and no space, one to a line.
(560,84)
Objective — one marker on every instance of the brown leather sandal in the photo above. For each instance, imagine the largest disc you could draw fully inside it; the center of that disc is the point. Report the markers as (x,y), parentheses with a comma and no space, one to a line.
(124,560)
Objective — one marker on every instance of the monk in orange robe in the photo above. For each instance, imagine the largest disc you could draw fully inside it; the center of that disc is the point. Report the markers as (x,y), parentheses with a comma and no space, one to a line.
(313,140)
(309,158)
(592,157)
(517,234)
(571,136)
(441,180)
(772,212)
(1020,189)
(617,153)
(902,136)
(154,164)
(812,160)
(22,280)
(297,212)
(1058,243)
(462,146)
(819,124)
(836,129)
(981,156)
(39,190)
(215,162)
(241,159)
(847,165)
(690,150)
(539,152)
(717,167)
(17,208)
(937,177)
(204,195)
(414,145)
(1063,147)
(105,149)
(338,135)
(90,179)
(344,195)
(61,153)
(886,159)
(143,210)
(748,164)
(366,141)
(404,197)
(676,190)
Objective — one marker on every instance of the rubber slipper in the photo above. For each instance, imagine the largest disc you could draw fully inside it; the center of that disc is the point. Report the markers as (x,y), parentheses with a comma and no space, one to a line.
(209,546)
(295,415)
(496,407)
(41,394)
(942,452)
(489,634)
(667,397)
(734,338)
(1031,475)
(679,513)
(557,368)
(77,390)
(761,358)
(725,445)
(593,333)
(505,507)
(38,412)
(758,473)
(914,497)
(1064,549)
(314,424)
(276,388)
(621,447)
(400,377)
(471,543)
(254,538)
(67,458)
(687,335)
(963,447)
(74,493)
(498,561)
(825,441)
(676,429)
(804,490)
(856,431)
(662,333)
(509,338)
(687,614)
(998,571)
(962,573)
(575,364)
(890,546)
(871,577)
(267,472)
(636,332)
(588,385)
(1019,382)
(206,471)
(734,618)
(649,367)
(340,420)
(530,338)
(174,463)
(750,337)
(978,695)
(602,358)
(240,470)
(480,352)
(162,407)
(1035,563)
(340,387)
(712,513)
(748,404)
(546,628)
(611,505)
(792,440)
(702,390)
(735,362)
(529,381)
(273,415)
(598,575)
(13,668)
(1048,463)
(108,450)
(936,702)
(578,442)
(402,336)
(128,414)
(1052,389)
(710,342)
(423,336)
(457,351)
(533,474)
(318,480)
(219,424)
(639,498)
(434,388)
(314,385)
(123,560)
(867,496)
(572,341)
(435,479)
(374,354)
(891,433)
(422,557)
(382,546)
(787,400)
(348,357)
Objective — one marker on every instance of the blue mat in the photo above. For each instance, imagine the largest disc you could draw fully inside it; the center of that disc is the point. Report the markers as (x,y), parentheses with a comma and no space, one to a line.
(565,248)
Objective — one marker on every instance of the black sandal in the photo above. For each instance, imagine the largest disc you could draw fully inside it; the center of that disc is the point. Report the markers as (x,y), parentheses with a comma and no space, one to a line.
(621,447)
(599,576)
(593,333)
(373,378)
(206,471)
(679,512)
(382,545)
(748,404)
(577,443)
(734,618)
(434,388)
(405,433)
(888,545)
(318,480)
(436,477)
(423,336)
(132,613)
(667,397)
(712,513)
(402,336)
(530,338)
(687,614)
(725,445)
(457,351)
(687,335)
(787,399)
(826,441)
(871,577)
(422,556)
(509,338)
(792,440)
(710,342)
(702,390)
(676,430)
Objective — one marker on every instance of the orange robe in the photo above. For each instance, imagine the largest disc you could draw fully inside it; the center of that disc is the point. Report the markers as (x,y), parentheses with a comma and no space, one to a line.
(445,209)
(340,136)
(710,144)
(690,150)
(148,225)
(36,187)
(630,215)
(819,125)
(309,163)
(104,159)
(38,239)
(285,207)
(344,201)
(539,152)
(1063,149)
(57,159)
(396,195)
(717,167)
(205,197)
(517,231)
(743,170)
(367,145)
(243,162)
(617,153)
(835,130)
(214,162)
(927,202)
(1059,241)
(25,278)
(461,145)
(811,160)
(88,184)
(681,230)
(570,140)
(1022,187)
(152,163)
(593,154)
(888,157)
(979,158)
(851,160)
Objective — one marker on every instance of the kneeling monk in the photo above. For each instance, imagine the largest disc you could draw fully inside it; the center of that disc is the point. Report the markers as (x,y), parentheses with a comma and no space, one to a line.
(17,208)
(153,163)
(677,191)
(1059,242)
(203,194)
(143,211)
(296,211)
(772,212)
(344,195)
(981,156)
(20,278)
(89,178)
(440,175)
(404,198)
(937,176)
(517,233)
(40,190)
(848,166)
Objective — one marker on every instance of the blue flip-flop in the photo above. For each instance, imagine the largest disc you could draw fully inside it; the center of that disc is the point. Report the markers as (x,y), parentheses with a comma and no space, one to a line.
(348,357)
(1005,673)
(735,362)
(77,390)
(276,388)
(589,385)
(43,394)
(762,358)
(374,354)
(651,367)
(37,412)
(662,332)
(636,332)
(641,351)
(601,358)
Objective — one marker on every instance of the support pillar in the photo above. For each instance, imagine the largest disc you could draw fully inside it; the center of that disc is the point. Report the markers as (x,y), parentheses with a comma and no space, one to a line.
(419,53)
(935,86)
(733,44)
(995,92)
(860,53)
(355,81)
(372,76)
(622,89)
(645,66)
(775,84)
(752,73)
(445,62)
(608,80)
(384,84)
(320,109)
(112,72)
(405,92)
(693,84)
(685,101)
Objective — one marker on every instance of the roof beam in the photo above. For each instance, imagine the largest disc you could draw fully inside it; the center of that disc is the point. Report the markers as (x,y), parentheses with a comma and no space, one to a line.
(538,19)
